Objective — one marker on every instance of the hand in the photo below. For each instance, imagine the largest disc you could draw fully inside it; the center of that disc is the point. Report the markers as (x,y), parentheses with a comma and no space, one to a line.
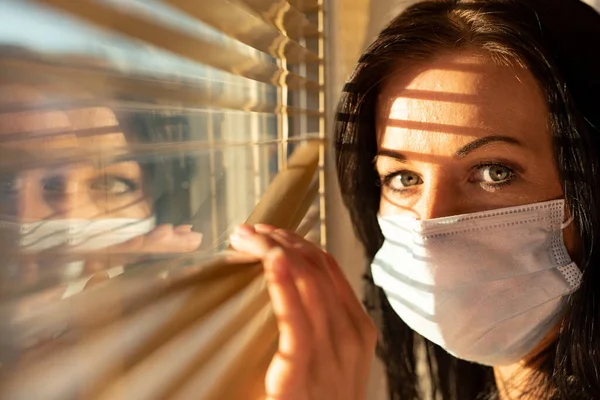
(326,339)
(163,239)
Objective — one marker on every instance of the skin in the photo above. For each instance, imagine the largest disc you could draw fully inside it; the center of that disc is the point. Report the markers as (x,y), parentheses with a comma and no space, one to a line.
(326,339)
(460,140)
(434,162)
(80,190)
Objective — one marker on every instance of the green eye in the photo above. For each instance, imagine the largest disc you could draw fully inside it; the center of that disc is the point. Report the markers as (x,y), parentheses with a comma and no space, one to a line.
(495,174)
(402,180)
(409,179)
(113,185)
(55,184)
(10,184)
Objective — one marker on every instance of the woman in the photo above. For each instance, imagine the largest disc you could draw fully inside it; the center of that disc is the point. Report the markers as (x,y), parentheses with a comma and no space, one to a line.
(74,190)
(467,151)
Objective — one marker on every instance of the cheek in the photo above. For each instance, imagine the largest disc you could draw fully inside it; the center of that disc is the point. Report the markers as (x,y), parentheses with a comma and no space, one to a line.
(128,206)
(573,243)
(385,207)
(141,210)
(388,207)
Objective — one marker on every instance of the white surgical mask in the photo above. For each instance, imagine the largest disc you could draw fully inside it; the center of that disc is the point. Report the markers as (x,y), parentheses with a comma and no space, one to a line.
(487,286)
(76,235)
(79,234)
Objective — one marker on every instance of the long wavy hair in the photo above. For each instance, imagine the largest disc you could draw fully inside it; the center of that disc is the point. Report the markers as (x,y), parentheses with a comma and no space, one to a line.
(558,41)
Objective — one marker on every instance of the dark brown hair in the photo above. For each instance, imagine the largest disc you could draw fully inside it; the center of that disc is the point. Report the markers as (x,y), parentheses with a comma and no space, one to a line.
(558,41)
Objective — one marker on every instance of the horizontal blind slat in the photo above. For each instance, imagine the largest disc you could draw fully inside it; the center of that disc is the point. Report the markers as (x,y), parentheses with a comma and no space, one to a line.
(110,84)
(306,6)
(243,359)
(109,347)
(284,17)
(190,350)
(245,366)
(133,291)
(240,24)
(285,196)
(194,48)
(24,161)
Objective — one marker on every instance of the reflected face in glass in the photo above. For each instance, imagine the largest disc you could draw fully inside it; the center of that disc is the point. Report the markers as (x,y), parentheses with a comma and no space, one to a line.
(464,135)
(86,189)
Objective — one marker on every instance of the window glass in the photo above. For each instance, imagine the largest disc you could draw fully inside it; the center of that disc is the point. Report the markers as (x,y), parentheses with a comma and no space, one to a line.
(112,167)
(123,169)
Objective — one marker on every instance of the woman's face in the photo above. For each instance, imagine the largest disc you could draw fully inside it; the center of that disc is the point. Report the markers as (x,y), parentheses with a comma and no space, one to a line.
(85,190)
(465,135)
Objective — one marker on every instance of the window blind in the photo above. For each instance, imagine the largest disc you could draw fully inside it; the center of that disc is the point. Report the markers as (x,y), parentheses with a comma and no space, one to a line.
(134,136)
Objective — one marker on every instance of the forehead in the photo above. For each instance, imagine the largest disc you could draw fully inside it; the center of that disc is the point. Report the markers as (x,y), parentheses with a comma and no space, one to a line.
(457,99)
(26,120)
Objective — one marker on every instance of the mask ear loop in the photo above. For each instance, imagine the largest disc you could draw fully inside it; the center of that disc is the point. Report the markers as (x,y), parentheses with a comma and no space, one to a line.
(566,223)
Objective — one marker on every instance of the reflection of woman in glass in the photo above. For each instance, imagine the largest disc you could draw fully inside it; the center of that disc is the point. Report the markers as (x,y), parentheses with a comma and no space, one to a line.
(105,203)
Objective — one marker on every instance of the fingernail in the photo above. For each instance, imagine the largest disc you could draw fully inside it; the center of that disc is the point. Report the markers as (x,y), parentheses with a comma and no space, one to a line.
(264,228)
(162,229)
(194,240)
(184,228)
(275,265)
(242,231)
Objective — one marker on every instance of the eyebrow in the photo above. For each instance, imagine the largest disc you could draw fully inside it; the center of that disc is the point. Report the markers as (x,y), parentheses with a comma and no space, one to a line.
(484,141)
(460,153)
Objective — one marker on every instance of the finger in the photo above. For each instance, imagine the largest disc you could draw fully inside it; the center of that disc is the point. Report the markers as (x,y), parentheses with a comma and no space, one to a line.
(317,262)
(338,278)
(367,332)
(246,239)
(166,238)
(97,279)
(313,254)
(317,298)
(163,239)
(264,228)
(335,334)
(183,228)
(94,266)
(351,300)
(354,329)
(289,367)
(334,357)
(321,261)
(287,377)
